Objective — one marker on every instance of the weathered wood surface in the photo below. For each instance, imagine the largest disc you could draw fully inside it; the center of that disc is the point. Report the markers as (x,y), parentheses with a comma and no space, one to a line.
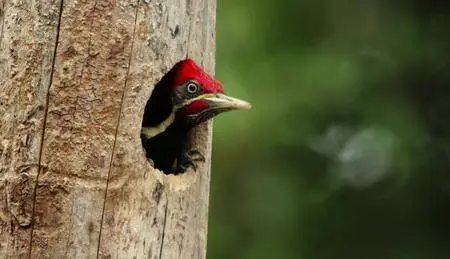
(75,77)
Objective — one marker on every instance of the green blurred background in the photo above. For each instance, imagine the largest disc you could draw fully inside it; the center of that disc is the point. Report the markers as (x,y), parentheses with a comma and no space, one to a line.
(346,152)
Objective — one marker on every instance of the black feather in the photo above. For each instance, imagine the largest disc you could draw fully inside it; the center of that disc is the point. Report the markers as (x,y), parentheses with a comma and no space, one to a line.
(166,147)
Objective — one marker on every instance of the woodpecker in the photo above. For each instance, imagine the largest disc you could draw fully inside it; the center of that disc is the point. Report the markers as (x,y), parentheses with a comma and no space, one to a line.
(185,97)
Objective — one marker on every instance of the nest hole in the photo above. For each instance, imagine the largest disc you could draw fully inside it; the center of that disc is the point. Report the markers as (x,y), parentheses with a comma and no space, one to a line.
(165,138)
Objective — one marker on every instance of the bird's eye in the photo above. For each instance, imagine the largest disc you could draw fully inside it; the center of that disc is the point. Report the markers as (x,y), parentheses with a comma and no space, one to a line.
(192,87)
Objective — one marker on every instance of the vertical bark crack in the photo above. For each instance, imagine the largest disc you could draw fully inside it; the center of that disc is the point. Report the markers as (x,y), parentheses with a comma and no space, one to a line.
(117,125)
(2,14)
(58,28)
(188,14)
(164,228)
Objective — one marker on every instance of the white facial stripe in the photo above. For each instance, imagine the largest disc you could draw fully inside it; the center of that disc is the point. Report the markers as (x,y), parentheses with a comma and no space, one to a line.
(150,132)
(200,97)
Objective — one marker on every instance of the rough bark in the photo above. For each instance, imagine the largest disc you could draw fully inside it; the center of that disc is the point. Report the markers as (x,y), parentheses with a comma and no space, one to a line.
(75,76)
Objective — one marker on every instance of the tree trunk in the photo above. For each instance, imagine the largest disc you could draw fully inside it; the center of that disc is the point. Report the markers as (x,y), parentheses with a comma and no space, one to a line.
(75,77)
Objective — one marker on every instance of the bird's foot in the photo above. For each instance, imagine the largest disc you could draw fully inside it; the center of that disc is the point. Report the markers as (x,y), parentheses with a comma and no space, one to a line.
(196,155)
(188,159)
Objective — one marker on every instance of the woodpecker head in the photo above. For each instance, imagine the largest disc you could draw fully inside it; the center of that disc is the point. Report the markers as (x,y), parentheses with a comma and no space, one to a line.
(196,96)
(186,93)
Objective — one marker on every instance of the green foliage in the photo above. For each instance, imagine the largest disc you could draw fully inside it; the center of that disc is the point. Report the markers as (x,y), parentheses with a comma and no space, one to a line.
(346,152)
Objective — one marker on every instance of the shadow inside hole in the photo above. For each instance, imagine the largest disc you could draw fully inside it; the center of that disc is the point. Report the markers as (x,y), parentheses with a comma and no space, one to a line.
(171,139)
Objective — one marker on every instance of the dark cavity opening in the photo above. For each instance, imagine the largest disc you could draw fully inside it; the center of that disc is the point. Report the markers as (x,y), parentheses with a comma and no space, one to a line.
(166,150)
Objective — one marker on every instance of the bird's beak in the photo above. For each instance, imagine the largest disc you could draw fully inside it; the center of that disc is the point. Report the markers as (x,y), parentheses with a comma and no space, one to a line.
(225,102)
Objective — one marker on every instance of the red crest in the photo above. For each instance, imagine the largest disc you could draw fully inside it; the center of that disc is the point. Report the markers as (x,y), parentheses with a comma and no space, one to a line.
(189,70)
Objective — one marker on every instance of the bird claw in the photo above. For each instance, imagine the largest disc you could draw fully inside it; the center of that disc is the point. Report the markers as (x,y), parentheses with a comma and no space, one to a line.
(189,159)
(196,155)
